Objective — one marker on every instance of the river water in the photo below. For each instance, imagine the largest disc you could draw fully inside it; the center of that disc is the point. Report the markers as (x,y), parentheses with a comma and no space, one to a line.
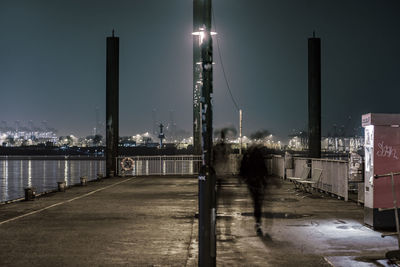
(43,174)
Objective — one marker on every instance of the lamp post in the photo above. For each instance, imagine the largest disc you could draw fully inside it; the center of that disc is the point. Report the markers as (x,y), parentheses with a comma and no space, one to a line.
(240,131)
(203,75)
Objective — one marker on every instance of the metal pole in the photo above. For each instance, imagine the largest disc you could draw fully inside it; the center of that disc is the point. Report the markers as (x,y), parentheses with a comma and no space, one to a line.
(160,166)
(395,210)
(207,189)
(386,174)
(112,104)
(240,131)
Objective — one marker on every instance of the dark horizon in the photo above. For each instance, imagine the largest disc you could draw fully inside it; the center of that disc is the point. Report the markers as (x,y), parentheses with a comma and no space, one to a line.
(52,63)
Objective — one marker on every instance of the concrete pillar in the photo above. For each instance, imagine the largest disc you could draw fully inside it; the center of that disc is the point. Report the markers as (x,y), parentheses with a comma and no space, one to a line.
(314,97)
(112,104)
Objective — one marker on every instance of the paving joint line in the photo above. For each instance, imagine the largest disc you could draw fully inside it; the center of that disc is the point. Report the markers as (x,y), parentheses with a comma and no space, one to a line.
(63,202)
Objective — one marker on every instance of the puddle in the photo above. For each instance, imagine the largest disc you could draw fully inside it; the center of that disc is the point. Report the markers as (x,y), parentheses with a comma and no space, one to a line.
(224,217)
(359,261)
(282,199)
(278,215)
(185,217)
(315,196)
(299,225)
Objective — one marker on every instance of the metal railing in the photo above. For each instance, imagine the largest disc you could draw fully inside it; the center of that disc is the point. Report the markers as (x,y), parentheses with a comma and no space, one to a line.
(174,165)
(275,166)
(159,165)
(334,178)
(298,166)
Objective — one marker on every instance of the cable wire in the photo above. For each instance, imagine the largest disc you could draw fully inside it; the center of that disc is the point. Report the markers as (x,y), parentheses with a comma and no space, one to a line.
(222,65)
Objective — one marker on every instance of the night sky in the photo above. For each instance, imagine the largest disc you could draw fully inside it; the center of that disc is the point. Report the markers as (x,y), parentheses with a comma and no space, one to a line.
(52,62)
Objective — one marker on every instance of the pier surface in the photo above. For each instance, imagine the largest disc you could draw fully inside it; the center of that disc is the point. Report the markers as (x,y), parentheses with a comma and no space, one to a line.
(151,221)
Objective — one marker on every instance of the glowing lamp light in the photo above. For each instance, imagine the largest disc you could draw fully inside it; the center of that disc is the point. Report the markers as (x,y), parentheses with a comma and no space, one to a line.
(201,33)
(199,63)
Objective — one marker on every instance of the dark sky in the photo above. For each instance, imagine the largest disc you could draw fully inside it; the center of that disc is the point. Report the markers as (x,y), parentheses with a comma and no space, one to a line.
(52,61)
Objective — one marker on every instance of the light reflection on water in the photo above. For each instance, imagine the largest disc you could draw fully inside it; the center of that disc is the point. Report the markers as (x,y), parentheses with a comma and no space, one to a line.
(29,173)
(15,175)
(4,188)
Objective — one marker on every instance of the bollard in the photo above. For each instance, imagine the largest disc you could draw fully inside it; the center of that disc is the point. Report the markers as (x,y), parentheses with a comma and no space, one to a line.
(111,173)
(83,180)
(61,186)
(30,193)
(99,176)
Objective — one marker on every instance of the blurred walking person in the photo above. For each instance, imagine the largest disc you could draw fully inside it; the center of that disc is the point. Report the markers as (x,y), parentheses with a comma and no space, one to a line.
(254,173)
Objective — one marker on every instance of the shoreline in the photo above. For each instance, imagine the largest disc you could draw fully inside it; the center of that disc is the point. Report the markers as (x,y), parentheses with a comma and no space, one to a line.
(51,157)
(48,192)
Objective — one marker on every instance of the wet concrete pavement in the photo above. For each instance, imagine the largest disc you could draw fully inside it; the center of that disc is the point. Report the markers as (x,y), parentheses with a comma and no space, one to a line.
(151,222)
(300,229)
(131,222)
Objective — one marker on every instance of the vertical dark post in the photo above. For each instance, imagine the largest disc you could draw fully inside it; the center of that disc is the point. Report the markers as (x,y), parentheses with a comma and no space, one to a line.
(314,97)
(112,104)
(207,199)
(197,24)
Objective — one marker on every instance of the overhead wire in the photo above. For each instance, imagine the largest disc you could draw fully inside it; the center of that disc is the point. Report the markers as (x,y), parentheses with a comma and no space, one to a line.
(222,66)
